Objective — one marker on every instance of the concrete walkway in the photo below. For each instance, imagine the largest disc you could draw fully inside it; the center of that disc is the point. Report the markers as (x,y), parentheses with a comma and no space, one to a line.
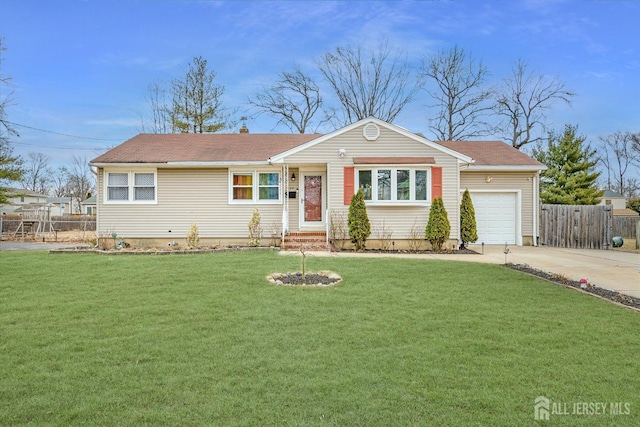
(614,270)
(13,245)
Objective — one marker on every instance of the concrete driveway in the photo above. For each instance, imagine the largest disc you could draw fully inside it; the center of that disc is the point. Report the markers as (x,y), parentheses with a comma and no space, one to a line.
(615,270)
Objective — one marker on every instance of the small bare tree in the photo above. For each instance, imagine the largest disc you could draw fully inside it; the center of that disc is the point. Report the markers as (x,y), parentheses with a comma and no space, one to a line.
(294,100)
(460,97)
(415,237)
(379,85)
(255,229)
(384,234)
(338,228)
(523,101)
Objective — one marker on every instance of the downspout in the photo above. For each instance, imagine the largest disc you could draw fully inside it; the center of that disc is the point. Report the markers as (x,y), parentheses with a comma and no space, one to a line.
(99,193)
(285,204)
(536,211)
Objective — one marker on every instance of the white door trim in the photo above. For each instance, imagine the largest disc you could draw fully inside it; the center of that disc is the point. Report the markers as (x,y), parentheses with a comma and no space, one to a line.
(316,225)
(518,194)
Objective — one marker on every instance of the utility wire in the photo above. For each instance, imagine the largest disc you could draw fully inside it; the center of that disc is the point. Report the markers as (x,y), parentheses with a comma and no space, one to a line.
(58,148)
(62,134)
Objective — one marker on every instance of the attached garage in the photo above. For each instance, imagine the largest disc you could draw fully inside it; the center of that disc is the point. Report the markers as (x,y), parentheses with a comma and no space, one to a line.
(497,217)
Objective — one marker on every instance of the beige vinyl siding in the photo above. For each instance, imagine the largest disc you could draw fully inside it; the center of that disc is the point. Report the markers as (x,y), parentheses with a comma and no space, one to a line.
(399,219)
(505,181)
(186,196)
(294,204)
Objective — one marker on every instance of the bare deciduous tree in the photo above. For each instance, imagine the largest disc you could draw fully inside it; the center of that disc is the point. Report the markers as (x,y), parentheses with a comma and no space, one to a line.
(294,99)
(460,96)
(379,85)
(10,165)
(159,119)
(59,182)
(523,101)
(6,130)
(80,180)
(620,158)
(37,173)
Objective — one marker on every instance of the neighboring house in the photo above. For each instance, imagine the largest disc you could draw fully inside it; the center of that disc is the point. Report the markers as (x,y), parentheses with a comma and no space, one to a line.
(153,187)
(618,203)
(21,201)
(88,206)
(60,206)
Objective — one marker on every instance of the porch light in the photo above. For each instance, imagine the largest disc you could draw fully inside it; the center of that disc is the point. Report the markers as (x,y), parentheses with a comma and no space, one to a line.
(293,176)
(488,179)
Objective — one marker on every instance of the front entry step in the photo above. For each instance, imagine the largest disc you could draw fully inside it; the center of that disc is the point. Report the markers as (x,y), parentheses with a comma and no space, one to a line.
(309,240)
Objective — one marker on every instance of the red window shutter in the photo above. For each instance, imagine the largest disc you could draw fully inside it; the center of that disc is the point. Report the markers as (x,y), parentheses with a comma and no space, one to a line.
(349,173)
(436,182)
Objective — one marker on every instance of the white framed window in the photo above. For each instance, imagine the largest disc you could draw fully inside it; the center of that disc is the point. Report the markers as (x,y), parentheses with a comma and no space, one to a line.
(254,187)
(130,187)
(394,185)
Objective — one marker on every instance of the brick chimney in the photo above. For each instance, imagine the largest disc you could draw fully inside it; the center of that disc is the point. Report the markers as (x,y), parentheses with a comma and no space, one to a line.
(244,129)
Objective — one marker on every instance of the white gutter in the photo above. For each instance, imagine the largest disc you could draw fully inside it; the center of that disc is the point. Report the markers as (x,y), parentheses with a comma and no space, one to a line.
(180,164)
(511,168)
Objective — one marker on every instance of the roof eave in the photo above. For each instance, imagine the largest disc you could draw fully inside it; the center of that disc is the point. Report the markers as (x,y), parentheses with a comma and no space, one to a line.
(508,168)
(181,164)
(281,158)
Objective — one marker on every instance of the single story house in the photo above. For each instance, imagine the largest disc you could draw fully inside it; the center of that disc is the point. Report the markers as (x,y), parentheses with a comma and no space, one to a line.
(153,187)
(59,205)
(618,203)
(88,205)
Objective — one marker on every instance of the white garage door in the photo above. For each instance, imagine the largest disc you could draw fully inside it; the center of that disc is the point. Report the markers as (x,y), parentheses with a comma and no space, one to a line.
(495,217)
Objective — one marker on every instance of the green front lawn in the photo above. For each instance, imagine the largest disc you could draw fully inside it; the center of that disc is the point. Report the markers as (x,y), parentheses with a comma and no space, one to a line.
(205,340)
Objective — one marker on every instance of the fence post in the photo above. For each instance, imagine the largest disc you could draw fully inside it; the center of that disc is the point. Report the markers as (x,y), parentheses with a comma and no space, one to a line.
(637,234)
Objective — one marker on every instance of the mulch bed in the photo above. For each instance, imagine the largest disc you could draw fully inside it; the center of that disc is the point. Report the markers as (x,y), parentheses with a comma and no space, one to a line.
(463,251)
(162,251)
(323,278)
(590,288)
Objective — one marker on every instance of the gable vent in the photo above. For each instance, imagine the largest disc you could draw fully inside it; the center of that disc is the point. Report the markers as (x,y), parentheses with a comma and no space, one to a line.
(371,132)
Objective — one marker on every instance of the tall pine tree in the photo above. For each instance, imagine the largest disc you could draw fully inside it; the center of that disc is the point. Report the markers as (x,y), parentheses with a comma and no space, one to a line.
(571,177)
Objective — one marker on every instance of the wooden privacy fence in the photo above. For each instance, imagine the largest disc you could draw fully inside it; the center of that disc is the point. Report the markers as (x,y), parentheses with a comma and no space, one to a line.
(576,226)
(625,226)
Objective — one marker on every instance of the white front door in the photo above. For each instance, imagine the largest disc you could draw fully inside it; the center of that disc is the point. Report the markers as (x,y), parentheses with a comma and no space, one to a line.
(312,200)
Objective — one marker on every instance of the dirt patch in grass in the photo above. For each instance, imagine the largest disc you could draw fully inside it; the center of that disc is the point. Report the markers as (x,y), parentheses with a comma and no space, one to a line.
(584,286)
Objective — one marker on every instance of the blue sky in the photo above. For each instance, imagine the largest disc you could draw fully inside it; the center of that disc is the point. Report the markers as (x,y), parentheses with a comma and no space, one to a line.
(81,67)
